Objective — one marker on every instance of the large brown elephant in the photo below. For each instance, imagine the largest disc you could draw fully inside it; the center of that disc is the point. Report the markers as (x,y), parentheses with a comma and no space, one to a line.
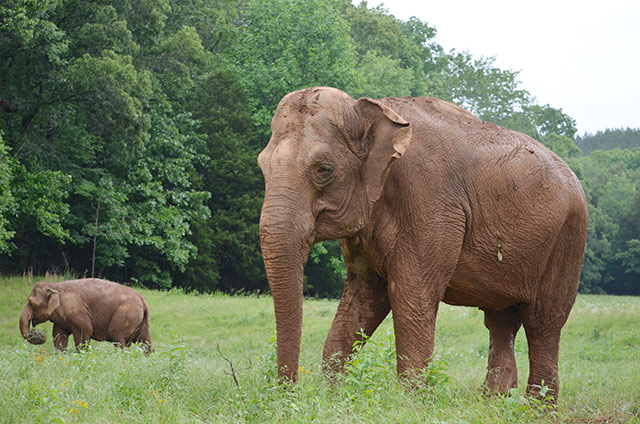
(89,308)
(429,204)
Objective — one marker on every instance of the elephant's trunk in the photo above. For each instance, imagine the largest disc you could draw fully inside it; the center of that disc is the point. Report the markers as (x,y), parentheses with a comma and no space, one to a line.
(25,320)
(285,237)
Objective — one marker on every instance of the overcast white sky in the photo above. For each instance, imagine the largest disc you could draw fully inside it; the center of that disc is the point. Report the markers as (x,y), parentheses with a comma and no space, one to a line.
(580,56)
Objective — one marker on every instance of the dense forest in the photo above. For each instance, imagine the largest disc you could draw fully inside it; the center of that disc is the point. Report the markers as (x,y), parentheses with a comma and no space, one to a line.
(609,139)
(129,132)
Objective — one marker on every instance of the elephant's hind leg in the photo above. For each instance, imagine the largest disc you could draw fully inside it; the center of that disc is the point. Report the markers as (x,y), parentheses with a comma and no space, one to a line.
(143,336)
(123,325)
(502,374)
(543,323)
(544,319)
(544,345)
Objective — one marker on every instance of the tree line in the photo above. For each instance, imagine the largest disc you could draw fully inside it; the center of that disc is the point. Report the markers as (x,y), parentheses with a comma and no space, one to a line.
(609,139)
(129,132)
(610,175)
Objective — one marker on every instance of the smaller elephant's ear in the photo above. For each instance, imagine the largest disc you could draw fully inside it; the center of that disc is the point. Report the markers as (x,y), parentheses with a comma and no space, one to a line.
(386,137)
(53,301)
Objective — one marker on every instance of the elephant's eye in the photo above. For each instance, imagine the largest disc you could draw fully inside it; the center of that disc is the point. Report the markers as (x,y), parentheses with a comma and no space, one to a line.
(323,173)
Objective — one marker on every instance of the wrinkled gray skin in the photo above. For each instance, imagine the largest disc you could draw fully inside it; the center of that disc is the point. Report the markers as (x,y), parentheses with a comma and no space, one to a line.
(89,309)
(429,204)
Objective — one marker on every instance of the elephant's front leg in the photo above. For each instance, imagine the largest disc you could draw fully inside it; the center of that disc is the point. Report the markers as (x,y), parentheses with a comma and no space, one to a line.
(60,337)
(82,334)
(363,306)
(414,322)
(419,272)
(416,287)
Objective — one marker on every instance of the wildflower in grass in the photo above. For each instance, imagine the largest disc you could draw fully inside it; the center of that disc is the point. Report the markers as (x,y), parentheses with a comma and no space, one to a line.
(41,355)
(301,370)
(81,403)
(156,394)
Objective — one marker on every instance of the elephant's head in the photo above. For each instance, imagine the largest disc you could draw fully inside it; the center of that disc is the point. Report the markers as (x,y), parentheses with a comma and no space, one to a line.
(41,304)
(324,168)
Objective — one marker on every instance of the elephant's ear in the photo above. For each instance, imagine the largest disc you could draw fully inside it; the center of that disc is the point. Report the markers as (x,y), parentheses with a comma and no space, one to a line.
(385,138)
(53,300)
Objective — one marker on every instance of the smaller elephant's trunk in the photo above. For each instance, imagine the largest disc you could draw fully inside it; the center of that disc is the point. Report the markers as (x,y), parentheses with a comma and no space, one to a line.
(25,321)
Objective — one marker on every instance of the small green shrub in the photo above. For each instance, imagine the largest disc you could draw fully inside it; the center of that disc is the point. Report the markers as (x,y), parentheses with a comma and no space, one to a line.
(520,408)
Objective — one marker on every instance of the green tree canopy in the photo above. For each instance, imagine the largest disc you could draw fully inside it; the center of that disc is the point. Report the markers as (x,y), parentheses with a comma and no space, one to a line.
(609,139)
(129,132)
(286,45)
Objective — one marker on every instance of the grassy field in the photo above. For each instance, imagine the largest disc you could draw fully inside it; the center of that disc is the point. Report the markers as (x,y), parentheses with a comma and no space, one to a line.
(187,380)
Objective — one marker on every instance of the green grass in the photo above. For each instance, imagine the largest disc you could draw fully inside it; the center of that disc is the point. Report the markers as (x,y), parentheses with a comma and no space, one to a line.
(187,380)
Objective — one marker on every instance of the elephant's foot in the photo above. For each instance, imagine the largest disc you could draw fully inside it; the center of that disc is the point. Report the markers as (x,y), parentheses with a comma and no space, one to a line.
(543,381)
(500,380)
(334,364)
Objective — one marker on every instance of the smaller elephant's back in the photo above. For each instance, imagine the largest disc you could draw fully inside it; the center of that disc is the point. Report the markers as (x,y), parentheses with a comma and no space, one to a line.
(99,291)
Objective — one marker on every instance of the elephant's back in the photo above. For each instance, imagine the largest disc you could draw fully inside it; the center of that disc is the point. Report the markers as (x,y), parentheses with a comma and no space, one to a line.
(438,123)
(99,291)
(479,150)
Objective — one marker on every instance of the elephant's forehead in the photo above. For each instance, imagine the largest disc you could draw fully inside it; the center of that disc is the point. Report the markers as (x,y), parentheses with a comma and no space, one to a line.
(291,154)
(312,99)
(305,112)
(304,123)
(286,127)
(286,150)
(300,144)
(293,130)
(38,289)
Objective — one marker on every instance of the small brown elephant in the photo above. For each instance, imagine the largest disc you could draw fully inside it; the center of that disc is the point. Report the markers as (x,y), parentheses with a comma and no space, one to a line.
(429,204)
(89,308)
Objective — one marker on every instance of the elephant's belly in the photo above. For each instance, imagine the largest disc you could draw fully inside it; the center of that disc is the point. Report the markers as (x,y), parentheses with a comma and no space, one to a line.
(469,293)
(99,335)
(483,280)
